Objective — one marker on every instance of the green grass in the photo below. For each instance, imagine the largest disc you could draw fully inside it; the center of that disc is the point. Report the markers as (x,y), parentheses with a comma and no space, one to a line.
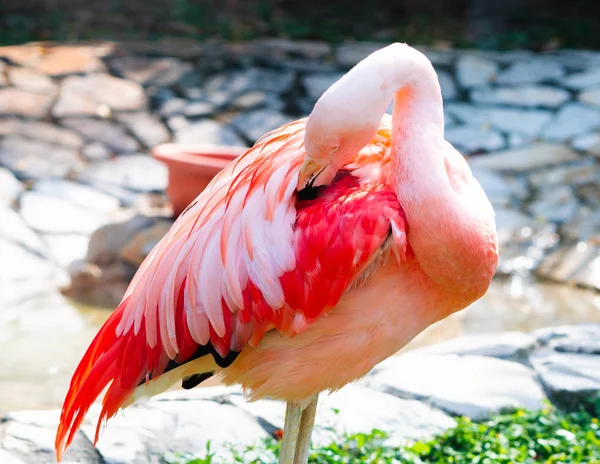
(548,436)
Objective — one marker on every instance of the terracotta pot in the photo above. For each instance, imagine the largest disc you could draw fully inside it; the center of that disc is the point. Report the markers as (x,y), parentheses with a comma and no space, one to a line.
(191,168)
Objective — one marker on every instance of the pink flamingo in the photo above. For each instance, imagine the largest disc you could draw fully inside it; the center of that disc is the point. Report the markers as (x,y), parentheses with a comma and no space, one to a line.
(317,254)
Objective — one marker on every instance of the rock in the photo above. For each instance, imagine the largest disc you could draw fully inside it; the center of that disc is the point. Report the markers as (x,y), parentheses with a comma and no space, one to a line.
(57,60)
(316,84)
(256,99)
(572,120)
(148,129)
(172,107)
(99,287)
(85,95)
(278,81)
(519,140)
(198,109)
(256,123)
(42,131)
(311,49)
(208,132)
(3,80)
(590,97)
(589,143)
(95,151)
(160,72)
(583,80)
(525,159)
(50,214)
(8,458)
(108,133)
(472,71)
(78,194)
(504,345)
(524,95)
(65,249)
(532,72)
(573,263)
(580,338)
(471,139)
(339,413)
(30,159)
(14,229)
(349,54)
(570,174)
(447,85)
(570,379)
(22,103)
(10,187)
(509,221)
(473,386)
(31,81)
(500,190)
(107,242)
(36,437)
(139,173)
(555,204)
(21,264)
(139,247)
(527,122)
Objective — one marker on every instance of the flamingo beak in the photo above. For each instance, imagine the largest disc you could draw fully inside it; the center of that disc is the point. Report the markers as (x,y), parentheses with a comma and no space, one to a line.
(315,172)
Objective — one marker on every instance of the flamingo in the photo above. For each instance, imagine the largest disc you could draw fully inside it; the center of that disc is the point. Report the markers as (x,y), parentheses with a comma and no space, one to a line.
(320,252)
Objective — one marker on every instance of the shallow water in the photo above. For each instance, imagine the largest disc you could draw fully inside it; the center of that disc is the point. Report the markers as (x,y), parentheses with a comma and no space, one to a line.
(37,372)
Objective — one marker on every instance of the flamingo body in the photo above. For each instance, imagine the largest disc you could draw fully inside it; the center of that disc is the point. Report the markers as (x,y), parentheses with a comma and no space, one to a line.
(290,289)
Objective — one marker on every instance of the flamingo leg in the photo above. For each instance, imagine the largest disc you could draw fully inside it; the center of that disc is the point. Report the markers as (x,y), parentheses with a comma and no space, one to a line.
(306,427)
(293,416)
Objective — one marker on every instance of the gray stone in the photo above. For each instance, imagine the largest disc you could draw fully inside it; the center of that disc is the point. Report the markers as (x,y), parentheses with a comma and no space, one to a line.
(148,129)
(196,109)
(583,80)
(501,190)
(572,120)
(590,97)
(10,187)
(139,173)
(110,134)
(589,143)
(50,214)
(471,139)
(525,95)
(172,107)
(20,102)
(30,159)
(532,72)
(528,122)
(161,72)
(349,54)
(256,123)
(38,438)
(31,81)
(570,174)
(504,345)
(473,386)
(509,221)
(14,229)
(8,458)
(519,140)
(95,151)
(87,95)
(250,79)
(65,249)
(555,204)
(258,99)
(78,194)
(208,132)
(447,85)
(22,264)
(569,378)
(564,263)
(524,159)
(42,131)
(316,84)
(472,71)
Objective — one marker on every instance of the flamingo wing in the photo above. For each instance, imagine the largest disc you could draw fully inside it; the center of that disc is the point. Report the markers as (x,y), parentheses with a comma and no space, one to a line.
(249,255)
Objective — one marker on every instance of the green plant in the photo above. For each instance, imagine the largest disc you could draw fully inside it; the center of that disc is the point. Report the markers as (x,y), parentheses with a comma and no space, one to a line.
(547,436)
